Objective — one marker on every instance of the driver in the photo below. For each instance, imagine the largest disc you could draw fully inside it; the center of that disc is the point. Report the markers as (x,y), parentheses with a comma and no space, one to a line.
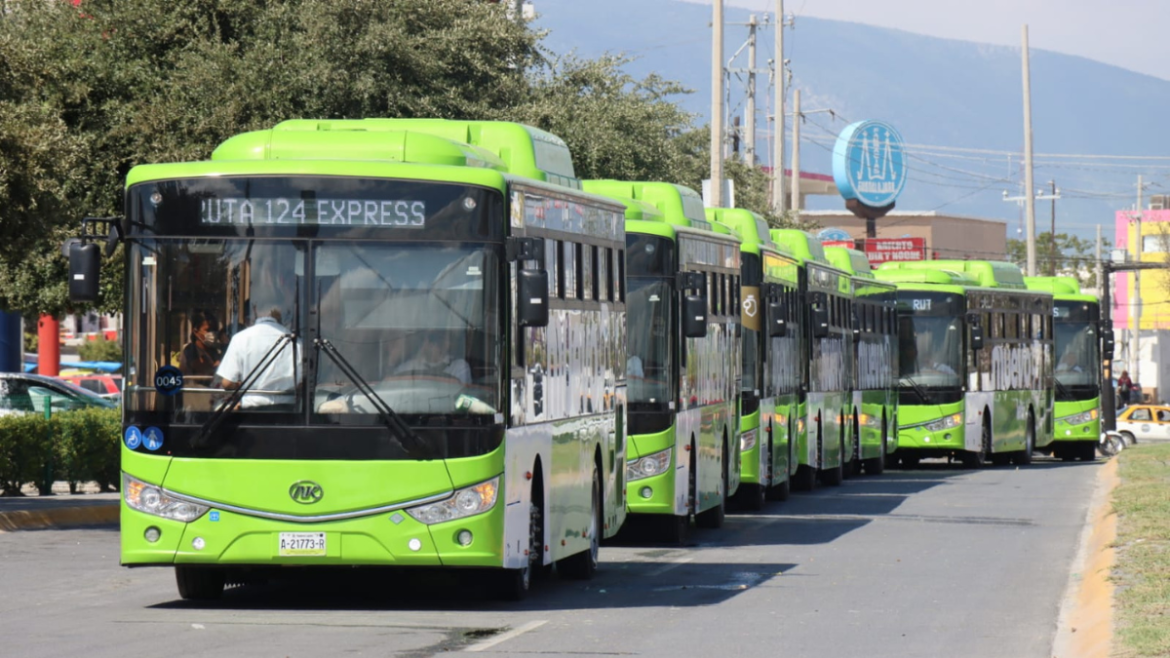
(436,356)
(245,352)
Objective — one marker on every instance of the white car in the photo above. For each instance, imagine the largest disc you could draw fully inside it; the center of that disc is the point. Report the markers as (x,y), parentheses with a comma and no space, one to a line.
(1144,423)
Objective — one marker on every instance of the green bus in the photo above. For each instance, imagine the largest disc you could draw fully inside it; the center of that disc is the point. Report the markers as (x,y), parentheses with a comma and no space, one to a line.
(424,324)
(826,296)
(1076,321)
(975,362)
(875,391)
(771,351)
(683,369)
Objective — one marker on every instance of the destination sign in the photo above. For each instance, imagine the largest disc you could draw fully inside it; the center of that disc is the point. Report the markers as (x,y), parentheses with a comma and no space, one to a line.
(387,213)
(921,302)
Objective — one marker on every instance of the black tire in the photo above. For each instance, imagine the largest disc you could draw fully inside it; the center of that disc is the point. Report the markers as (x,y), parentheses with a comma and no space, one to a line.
(1130,439)
(675,529)
(713,518)
(853,466)
(515,584)
(979,459)
(877,465)
(833,476)
(200,583)
(582,566)
(1024,457)
(1088,451)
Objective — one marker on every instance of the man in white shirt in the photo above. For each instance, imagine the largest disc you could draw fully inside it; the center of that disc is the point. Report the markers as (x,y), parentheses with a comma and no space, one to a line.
(247,349)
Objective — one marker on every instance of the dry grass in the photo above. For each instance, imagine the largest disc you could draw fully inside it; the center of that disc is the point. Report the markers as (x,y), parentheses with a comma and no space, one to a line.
(1142,572)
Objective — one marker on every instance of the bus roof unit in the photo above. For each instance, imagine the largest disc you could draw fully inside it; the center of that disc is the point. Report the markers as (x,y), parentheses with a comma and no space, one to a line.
(988,274)
(680,206)
(851,260)
(506,147)
(802,245)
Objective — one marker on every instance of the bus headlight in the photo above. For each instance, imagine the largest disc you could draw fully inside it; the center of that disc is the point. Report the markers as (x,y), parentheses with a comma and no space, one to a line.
(468,501)
(945,423)
(150,499)
(869,420)
(747,440)
(1081,418)
(648,466)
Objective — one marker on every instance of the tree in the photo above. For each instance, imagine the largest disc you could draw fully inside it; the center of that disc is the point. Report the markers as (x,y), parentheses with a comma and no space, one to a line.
(87,93)
(1074,257)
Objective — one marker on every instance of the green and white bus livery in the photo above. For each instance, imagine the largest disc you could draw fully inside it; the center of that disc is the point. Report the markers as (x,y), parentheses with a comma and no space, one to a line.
(827,293)
(875,393)
(425,395)
(769,398)
(1076,320)
(975,362)
(683,369)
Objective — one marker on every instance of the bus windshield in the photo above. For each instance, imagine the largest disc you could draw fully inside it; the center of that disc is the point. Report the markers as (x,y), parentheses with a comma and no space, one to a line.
(1077,358)
(930,350)
(648,367)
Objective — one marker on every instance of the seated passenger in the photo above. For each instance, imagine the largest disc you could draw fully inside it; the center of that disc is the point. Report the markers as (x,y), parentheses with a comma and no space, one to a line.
(436,357)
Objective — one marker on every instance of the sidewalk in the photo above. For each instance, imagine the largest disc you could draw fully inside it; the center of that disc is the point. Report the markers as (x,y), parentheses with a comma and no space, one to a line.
(59,511)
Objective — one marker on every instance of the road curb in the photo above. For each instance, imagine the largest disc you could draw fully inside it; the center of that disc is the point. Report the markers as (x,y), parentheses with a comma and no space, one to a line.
(60,518)
(1085,625)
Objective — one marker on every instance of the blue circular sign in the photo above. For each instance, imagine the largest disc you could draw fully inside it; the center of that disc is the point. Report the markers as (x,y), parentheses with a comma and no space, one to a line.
(168,380)
(869,163)
(132,437)
(834,235)
(152,438)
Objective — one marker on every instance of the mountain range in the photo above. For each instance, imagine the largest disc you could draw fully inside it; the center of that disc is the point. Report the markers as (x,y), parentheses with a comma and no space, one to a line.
(937,92)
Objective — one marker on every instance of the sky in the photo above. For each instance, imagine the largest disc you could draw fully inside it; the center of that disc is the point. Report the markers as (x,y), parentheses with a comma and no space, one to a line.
(1125,33)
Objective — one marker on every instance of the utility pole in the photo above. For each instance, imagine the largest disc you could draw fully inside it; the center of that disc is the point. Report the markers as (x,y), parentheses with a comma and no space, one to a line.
(1135,338)
(749,153)
(778,200)
(1040,196)
(717,104)
(1098,269)
(1029,203)
(795,153)
(1052,232)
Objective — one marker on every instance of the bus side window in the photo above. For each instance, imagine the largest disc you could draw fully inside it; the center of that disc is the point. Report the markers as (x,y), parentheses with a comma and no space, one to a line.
(621,278)
(582,268)
(552,264)
(602,259)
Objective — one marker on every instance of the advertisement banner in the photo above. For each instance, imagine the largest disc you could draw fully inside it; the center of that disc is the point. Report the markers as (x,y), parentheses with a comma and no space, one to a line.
(882,250)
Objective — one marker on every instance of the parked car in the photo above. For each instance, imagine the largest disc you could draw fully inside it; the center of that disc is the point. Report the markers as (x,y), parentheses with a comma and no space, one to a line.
(1144,422)
(27,393)
(107,386)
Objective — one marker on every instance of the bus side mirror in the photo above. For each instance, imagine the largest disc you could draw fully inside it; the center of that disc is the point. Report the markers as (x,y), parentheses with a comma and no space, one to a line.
(694,316)
(777,327)
(976,337)
(1107,344)
(532,298)
(820,317)
(84,268)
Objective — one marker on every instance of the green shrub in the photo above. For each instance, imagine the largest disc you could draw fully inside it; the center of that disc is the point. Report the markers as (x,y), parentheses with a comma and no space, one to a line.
(100,350)
(77,446)
(30,341)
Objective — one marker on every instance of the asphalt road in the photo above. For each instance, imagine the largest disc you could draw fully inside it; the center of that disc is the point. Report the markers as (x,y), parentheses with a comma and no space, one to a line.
(932,562)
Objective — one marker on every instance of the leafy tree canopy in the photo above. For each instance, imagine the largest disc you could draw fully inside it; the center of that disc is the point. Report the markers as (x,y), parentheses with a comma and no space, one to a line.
(86,93)
(1073,256)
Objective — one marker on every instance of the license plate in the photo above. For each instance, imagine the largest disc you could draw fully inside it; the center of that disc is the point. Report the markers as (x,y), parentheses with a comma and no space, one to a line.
(301,544)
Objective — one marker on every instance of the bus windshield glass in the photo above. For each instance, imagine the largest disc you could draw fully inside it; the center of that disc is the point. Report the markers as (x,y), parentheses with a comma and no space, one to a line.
(1077,358)
(930,350)
(648,367)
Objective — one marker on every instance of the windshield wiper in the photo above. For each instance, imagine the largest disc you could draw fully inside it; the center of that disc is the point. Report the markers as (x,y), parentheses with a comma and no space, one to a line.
(392,420)
(1062,391)
(918,390)
(249,380)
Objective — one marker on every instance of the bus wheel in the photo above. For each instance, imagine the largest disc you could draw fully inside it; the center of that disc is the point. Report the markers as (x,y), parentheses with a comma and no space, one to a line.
(876,465)
(582,566)
(200,583)
(713,518)
(979,459)
(1024,457)
(833,476)
(516,583)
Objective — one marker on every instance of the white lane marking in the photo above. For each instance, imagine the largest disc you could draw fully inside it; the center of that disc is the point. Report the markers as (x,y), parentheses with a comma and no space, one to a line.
(667,567)
(504,637)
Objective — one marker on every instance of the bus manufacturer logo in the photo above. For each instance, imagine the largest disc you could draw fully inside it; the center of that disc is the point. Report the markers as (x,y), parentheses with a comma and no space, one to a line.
(306,492)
